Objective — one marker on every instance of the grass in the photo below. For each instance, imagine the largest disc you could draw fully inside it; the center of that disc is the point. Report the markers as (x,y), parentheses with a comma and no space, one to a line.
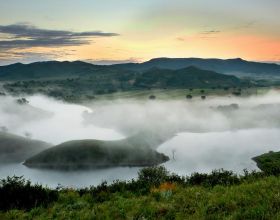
(255,200)
(254,196)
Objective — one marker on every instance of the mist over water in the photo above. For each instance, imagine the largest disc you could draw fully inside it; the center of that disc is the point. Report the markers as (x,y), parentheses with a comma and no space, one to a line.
(230,150)
(54,122)
(200,135)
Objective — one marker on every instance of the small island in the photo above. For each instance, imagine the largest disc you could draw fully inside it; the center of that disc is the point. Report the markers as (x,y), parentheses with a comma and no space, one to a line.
(269,162)
(15,149)
(93,154)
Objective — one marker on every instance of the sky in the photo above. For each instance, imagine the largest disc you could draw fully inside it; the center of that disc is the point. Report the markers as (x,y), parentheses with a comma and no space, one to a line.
(116,31)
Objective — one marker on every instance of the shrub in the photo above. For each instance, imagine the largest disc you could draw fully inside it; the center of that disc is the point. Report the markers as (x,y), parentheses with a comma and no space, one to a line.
(189,96)
(152,97)
(17,193)
(153,176)
(217,177)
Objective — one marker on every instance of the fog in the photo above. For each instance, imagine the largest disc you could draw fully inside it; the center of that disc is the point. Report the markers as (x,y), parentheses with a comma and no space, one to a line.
(197,115)
(50,120)
(199,135)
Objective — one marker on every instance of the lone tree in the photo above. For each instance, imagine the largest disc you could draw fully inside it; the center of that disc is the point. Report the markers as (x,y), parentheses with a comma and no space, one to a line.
(202,91)
(152,97)
(3,129)
(203,97)
(189,96)
(22,101)
(27,134)
(236,93)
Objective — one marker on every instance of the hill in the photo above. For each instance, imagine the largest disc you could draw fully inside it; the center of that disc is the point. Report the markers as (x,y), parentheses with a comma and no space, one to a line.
(86,154)
(15,149)
(237,67)
(51,70)
(185,78)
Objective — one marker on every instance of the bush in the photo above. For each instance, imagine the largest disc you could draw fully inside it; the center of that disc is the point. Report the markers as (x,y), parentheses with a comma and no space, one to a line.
(153,176)
(17,193)
(217,177)
(189,96)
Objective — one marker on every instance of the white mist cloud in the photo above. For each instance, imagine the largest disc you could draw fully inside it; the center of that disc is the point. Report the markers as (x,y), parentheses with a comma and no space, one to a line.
(55,121)
(132,116)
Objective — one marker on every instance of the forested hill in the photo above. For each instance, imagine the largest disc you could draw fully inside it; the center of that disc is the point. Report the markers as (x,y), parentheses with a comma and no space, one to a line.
(238,67)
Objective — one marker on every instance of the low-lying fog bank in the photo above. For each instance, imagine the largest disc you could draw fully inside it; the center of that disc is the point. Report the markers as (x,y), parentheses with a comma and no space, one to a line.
(202,135)
(175,116)
(54,121)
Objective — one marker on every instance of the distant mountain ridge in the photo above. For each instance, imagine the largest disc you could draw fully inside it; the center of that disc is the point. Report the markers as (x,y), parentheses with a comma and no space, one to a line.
(47,69)
(56,69)
(238,67)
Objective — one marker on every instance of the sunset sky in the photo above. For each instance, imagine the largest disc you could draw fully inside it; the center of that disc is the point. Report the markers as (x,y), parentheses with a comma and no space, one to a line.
(112,31)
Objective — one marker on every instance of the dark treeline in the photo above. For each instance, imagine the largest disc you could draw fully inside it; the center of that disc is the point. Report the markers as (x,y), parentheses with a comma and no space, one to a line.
(18,193)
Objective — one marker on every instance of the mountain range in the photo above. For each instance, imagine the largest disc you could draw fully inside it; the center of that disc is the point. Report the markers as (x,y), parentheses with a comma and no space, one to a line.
(237,67)
(54,69)
(71,80)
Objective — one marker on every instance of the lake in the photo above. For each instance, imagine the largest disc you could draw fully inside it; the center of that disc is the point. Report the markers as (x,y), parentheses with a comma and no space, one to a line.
(226,144)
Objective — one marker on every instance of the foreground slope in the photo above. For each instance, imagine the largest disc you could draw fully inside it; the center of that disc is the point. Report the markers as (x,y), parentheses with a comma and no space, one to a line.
(154,195)
(86,154)
(15,148)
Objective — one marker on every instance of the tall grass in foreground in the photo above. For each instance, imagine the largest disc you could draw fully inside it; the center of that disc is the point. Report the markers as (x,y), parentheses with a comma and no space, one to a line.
(155,194)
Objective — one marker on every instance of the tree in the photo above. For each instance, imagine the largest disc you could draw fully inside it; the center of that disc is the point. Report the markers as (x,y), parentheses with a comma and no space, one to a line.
(22,101)
(27,134)
(236,93)
(189,96)
(3,129)
(152,97)
(203,97)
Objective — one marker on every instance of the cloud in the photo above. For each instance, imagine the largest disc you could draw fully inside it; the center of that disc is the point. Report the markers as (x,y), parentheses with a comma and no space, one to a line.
(247,25)
(210,32)
(110,62)
(24,35)
(206,34)
(9,57)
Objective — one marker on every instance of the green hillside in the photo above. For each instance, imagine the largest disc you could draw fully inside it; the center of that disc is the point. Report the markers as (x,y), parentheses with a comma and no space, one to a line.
(185,78)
